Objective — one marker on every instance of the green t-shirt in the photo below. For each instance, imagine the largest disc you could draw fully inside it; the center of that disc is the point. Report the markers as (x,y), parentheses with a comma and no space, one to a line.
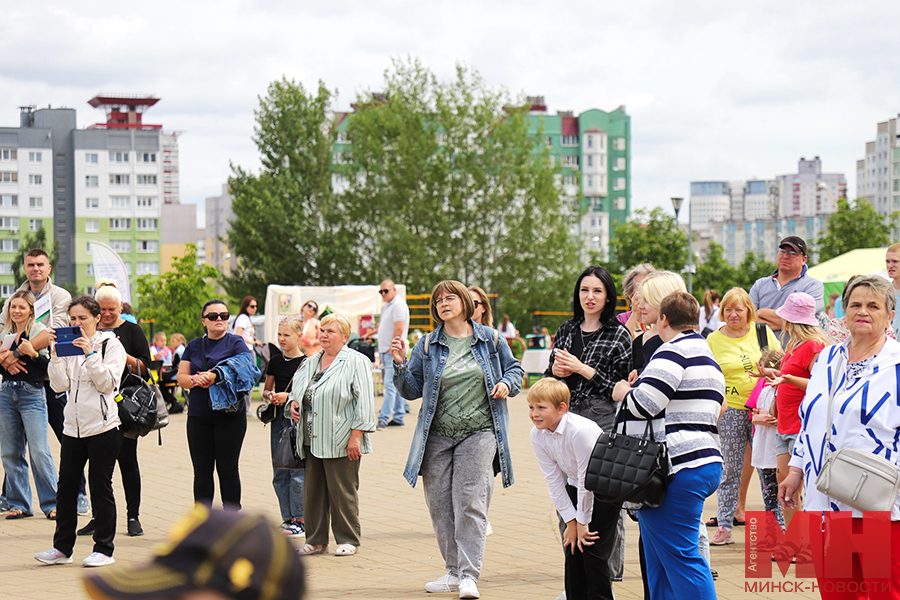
(462,407)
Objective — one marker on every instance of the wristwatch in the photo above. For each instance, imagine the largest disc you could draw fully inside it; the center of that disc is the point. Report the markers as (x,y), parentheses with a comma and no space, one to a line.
(16,353)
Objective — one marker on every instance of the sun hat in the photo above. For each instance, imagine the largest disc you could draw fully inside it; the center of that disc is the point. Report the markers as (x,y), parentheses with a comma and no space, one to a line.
(238,555)
(799,307)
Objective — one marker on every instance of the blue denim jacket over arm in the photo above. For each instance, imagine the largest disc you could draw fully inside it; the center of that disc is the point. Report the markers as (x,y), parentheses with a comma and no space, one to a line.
(234,377)
(420,376)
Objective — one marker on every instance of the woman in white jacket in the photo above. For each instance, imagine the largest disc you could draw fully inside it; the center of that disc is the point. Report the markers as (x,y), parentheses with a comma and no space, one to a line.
(90,433)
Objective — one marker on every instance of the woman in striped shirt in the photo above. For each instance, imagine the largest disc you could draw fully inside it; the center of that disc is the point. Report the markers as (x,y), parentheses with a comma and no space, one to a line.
(683,383)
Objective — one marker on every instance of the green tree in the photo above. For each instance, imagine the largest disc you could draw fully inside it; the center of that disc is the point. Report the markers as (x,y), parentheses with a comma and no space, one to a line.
(752,268)
(287,227)
(854,225)
(651,236)
(714,273)
(451,185)
(38,239)
(174,299)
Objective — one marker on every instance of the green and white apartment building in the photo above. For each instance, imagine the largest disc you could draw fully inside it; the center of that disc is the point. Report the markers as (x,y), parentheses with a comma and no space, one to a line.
(105,183)
(594,150)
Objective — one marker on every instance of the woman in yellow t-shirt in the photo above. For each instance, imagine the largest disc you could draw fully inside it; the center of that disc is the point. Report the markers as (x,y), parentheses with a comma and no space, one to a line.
(737,348)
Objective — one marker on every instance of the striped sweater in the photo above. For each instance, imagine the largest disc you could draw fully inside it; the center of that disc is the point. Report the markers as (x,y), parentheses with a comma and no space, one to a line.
(684,383)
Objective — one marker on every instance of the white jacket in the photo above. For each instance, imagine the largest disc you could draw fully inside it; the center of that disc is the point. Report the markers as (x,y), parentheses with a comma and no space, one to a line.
(91,382)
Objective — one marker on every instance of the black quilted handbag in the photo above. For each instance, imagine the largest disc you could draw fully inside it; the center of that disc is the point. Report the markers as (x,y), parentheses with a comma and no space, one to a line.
(630,469)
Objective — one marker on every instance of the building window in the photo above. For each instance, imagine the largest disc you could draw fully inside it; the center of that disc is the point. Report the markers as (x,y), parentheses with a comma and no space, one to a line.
(35,224)
(8,177)
(148,246)
(120,224)
(619,164)
(6,291)
(590,141)
(9,245)
(119,201)
(618,143)
(146,157)
(90,158)
(118,157)
(6,268)
(7,200)
(8,154)
(34,157)
(342,138)
(590,181)
(619,203)
(570,140)
(148,268)
(147,224)
(549,141)
(91,181)
(570,160)
(619,183)
(35,202)
(92,203)
(89,270)
(150,179)
(92,226)
(146,202)
(590,161)
(121,246)
(119,179)
(9,223)
(570,179)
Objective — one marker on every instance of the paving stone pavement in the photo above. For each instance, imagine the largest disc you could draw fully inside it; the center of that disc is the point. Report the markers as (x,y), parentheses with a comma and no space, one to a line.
(523,558)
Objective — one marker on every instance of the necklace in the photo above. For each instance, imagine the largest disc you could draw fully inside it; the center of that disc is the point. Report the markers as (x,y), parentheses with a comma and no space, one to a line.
(586,338)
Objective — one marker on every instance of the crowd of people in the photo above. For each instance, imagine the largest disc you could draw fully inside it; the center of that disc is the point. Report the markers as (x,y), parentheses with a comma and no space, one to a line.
(731,385)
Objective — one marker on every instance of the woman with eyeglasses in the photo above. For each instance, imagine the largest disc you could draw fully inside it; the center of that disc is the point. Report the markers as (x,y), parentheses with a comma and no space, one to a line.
(309,341)
(214,437)
(242,325)
(464,372)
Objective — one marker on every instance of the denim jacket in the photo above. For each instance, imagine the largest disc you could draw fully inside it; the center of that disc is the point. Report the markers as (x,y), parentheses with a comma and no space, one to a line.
(235,377)
(420,376)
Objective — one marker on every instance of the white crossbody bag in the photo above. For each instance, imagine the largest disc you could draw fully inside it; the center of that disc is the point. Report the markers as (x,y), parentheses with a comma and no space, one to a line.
(857,477)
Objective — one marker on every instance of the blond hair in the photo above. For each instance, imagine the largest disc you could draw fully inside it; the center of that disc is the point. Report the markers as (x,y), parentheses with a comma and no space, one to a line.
(800,333)
(549,390)
(28,297)
(295,322)
(660,284)
(343,323)
(736,296)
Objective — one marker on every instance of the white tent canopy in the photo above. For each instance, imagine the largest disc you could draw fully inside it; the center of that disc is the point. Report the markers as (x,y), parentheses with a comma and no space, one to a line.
(352,301)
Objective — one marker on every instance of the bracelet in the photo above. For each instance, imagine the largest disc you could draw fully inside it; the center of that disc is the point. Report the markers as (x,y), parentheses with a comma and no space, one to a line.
(93,352)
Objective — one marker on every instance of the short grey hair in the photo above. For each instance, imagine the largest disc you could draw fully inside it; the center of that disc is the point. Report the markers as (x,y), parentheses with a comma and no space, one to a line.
(877,285)
(628,284)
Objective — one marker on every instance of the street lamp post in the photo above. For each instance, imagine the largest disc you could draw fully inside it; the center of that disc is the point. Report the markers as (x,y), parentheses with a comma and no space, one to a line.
(676,204)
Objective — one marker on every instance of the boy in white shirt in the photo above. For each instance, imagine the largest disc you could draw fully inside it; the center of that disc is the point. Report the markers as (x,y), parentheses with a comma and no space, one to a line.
(563,443)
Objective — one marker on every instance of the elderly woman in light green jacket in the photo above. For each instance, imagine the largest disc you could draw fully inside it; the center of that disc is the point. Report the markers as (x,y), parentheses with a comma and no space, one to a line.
(333,403)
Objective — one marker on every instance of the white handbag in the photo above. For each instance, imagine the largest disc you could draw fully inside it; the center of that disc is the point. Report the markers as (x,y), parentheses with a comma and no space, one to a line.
(856,477)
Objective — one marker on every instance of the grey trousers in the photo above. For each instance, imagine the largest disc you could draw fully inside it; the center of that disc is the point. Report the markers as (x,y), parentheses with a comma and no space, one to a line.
(458,477)
(331,492)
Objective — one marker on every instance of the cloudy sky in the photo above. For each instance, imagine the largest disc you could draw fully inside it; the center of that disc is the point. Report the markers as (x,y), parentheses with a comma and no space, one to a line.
(716,90)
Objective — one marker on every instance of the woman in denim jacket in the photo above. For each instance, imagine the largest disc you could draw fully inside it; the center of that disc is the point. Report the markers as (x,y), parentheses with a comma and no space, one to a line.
(464,373)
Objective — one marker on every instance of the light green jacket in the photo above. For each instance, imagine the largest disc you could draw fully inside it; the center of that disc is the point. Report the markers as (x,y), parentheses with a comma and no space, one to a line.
(344,399)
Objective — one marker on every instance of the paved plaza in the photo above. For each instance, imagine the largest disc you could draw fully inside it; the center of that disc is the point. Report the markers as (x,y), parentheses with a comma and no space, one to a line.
(523,559)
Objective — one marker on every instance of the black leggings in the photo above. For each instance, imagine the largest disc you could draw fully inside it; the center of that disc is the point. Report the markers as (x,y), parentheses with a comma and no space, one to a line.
(131,476)
(215,443)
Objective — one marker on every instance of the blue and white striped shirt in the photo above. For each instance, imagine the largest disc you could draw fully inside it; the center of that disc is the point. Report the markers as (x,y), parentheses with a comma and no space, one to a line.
(683,381)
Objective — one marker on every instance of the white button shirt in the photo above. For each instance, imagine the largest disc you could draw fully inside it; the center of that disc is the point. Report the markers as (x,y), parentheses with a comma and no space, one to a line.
(563,456)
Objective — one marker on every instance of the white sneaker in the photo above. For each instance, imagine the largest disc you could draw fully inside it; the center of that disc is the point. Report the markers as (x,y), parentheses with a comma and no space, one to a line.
(468,589)
(447,583)
(52,557)
(96,559)
(488,530)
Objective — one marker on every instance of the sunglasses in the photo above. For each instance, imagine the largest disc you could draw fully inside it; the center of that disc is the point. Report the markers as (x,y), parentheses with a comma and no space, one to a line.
(478,303)
(312,306)
(383,292)
(252,306)
(222,316)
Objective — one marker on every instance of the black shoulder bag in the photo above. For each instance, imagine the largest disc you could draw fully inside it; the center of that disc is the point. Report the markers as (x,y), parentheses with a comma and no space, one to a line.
(238,406)
(623,468)
(137,402)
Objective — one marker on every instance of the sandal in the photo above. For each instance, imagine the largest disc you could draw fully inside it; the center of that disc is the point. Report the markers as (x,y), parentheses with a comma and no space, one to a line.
(16,513)
(310,549)
(345,550)
(52,515)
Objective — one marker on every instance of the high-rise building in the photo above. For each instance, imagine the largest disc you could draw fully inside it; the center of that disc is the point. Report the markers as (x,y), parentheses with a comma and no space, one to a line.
(104,183)
(218,214)
(878,174)
(179,227)
(749,216)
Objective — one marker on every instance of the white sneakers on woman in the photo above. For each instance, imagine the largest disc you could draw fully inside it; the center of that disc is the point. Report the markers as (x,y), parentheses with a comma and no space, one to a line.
(55,557)
(447,583)
(468,589)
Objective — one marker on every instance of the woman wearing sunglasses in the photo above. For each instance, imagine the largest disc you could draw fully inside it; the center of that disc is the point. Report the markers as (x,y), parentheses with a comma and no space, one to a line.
(309,341)
(214,437)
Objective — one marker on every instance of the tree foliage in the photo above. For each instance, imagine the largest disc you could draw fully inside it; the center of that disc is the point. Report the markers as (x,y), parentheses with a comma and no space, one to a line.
(650,236)
(38,239)
(854,225)
(717,274)
(287,227)
(174,299)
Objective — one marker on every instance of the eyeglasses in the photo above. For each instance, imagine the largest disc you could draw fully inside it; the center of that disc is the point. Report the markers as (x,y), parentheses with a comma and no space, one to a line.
(446,299)
(222,316)
(383,292)
(788,251)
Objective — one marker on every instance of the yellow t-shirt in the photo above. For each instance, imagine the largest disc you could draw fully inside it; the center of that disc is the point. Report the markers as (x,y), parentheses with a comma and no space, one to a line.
(737,357)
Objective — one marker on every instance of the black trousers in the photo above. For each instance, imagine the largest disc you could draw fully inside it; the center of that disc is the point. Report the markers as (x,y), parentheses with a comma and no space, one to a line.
(56,405)
(131,476)
(99,452)
(587,573)
(215,444)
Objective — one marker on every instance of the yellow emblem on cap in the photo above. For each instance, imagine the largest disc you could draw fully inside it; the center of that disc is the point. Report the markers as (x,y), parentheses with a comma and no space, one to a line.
(182,528)
(240,573)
